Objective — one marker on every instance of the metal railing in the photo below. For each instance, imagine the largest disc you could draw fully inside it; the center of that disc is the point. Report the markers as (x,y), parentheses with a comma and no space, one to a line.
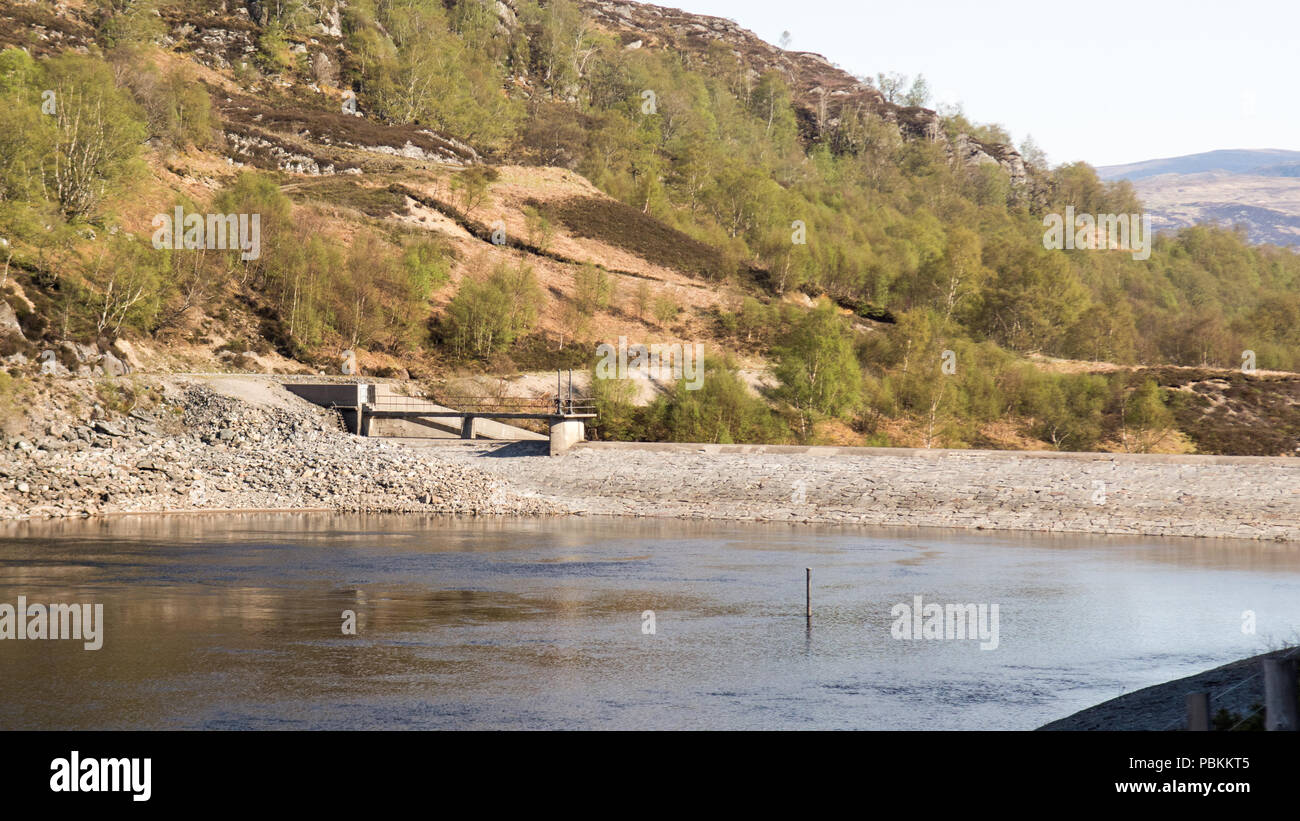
(561,403)
(461,404)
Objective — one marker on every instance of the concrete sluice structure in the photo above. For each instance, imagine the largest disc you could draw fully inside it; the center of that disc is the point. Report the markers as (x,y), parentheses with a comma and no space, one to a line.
(370,409)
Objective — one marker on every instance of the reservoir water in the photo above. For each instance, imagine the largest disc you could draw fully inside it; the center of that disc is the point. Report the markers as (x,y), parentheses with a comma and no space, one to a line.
(236,621)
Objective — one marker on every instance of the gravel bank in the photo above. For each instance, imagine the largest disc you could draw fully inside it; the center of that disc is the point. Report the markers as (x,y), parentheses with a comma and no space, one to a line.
(202,450)
(244,443)
(1237,497)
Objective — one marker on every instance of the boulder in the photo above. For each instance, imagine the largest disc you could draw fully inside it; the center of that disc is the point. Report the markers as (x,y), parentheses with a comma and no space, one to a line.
(126,352)
(323,69)
(107,429)
(9,325)
(112,365)
(69,355)
(331,20)
(50,364)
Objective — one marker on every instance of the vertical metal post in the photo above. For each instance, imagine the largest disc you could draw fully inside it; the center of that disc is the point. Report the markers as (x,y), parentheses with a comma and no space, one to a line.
(1198,712)
(808,593)
(1280,708)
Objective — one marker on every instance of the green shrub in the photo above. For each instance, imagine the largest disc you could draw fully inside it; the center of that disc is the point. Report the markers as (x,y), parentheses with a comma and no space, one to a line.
(817,368)
(721,411)
(488,314)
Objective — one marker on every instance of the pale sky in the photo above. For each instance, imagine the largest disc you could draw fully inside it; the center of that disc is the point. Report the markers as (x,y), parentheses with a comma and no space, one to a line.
(1104,81)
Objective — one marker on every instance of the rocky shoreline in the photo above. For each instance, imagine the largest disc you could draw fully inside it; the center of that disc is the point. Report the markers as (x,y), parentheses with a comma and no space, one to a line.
(200,450)
(226,443)
(1229,497)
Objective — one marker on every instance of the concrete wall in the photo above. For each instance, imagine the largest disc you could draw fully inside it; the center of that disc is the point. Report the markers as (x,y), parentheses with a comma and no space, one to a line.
(415,428)
(565,434)
(444,427)
(345,394)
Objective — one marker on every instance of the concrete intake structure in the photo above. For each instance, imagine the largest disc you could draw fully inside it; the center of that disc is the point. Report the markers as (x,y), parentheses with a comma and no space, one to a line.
(375,410)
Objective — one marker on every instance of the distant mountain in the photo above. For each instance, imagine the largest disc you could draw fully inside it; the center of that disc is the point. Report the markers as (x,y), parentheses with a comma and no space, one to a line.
(1232,161)
(1286,169)
(1257,189)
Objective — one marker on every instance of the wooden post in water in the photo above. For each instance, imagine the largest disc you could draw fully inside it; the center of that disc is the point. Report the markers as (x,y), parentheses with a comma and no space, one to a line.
(1280,695)
(808,591)
(1198,712)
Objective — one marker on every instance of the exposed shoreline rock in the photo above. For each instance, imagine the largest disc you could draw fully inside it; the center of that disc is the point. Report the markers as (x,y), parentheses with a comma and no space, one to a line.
(1236,687)
(250,445)
(200,450)
(1232,497)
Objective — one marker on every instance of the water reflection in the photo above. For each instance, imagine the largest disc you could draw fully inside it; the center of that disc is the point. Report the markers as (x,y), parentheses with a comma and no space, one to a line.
(234,621)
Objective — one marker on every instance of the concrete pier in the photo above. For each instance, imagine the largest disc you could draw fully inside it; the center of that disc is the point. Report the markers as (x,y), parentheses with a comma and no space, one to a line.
(565,433)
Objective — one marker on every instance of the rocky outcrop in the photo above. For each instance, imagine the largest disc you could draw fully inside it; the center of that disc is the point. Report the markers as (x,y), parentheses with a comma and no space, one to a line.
(973,152)
(44,28)
(823,93)
(75,359)
(224,36)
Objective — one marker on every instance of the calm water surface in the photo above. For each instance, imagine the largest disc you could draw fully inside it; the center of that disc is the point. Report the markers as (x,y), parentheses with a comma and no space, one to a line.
(234,622)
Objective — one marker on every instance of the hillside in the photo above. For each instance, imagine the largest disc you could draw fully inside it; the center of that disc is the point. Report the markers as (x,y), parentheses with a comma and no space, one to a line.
(824,96)
(1258,190)
(1250,162)
(469,191)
